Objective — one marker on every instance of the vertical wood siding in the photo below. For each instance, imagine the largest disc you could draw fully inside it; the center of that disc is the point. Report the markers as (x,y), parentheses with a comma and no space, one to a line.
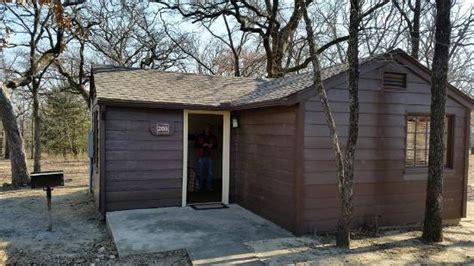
(382,187)
(263,163)
(142,170)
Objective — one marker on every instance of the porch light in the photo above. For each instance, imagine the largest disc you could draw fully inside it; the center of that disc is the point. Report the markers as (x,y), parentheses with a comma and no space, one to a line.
(235,122)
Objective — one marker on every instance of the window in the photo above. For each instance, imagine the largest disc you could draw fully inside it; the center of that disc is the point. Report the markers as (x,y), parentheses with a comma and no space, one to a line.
(418,141)
(394,80)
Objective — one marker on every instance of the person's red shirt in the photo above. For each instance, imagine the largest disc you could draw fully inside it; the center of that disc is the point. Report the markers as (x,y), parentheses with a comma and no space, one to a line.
(205,150)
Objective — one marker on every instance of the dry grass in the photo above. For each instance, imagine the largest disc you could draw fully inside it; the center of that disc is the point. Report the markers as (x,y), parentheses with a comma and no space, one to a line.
(75,171)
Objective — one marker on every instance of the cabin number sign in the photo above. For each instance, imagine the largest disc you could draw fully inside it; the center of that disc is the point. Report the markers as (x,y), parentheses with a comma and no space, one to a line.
(161,128)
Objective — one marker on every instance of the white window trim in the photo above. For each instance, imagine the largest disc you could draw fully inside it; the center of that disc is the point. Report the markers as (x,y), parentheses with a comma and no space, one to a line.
(225,152)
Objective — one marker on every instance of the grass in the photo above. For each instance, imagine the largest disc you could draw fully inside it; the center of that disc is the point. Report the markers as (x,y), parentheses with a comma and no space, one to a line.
(75,169)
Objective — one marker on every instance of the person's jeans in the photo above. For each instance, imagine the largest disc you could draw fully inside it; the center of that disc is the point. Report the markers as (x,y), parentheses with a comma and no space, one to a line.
(205,172)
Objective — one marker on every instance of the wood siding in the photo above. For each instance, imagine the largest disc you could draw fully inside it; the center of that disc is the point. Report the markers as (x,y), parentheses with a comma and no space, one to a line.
(383,186)
(263,163)
(95,165)
(142,170)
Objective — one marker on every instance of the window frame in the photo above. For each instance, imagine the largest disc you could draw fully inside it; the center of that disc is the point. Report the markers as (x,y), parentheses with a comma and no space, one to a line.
(450,126)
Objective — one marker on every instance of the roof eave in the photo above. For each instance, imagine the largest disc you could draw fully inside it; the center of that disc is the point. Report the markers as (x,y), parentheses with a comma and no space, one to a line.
(452,91)
(162,105)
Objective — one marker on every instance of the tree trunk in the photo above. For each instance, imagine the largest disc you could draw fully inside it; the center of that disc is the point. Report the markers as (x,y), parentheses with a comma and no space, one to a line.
(318,84)
(432,227)
(346,183)
(7,147)
(6,154)
(37,127)
(18,159)
(415,30)
(32,144)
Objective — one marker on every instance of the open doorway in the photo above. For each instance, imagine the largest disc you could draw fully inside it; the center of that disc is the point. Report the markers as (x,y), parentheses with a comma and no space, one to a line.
(204,158)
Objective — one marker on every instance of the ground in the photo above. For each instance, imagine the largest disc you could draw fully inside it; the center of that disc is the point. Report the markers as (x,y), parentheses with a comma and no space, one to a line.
(80,237)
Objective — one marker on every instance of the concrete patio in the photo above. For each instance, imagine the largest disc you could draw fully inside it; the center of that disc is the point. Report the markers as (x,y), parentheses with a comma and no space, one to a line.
(209,236)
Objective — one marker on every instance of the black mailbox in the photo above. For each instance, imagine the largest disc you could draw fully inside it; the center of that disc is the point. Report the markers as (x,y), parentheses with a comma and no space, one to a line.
(47,179)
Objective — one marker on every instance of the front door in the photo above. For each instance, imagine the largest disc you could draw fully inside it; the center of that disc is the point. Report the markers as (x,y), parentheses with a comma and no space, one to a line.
(206,157)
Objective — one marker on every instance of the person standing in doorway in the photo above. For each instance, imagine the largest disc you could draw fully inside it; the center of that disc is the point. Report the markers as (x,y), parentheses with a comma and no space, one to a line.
(205,143)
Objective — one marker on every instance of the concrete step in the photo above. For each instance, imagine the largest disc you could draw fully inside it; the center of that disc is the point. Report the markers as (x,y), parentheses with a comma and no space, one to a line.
(234,253)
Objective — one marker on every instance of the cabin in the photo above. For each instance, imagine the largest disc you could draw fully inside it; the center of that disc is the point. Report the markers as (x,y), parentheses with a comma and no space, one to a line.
(273,154)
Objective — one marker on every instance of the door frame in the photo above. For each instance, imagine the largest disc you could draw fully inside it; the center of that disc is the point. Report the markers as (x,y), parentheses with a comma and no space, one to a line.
(225,152)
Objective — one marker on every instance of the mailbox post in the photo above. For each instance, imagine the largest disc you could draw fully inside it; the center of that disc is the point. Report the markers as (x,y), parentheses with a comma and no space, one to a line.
(47,181)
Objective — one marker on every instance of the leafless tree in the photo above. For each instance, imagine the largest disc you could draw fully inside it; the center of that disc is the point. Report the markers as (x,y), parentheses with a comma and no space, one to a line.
(432,226)
(413,22)
(230,54)
(126,33)
(17,152)
(33,20)
(231,57)
(346,184)
(275,24)
(72,64)
(344,160)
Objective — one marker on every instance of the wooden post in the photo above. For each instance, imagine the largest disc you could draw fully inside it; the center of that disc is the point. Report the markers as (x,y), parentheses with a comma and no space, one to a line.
(50,218)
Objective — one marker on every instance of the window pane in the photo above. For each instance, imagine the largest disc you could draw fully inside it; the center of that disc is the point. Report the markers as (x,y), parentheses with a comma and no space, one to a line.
(422,124)
(410,158)
(420,157)
(410,141)
(411,124)
(420,140)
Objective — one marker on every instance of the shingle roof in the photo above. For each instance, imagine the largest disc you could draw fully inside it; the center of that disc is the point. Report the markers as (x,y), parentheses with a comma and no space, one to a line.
(152,86)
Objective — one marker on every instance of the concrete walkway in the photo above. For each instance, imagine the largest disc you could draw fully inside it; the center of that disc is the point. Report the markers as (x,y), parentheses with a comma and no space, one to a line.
(210,236)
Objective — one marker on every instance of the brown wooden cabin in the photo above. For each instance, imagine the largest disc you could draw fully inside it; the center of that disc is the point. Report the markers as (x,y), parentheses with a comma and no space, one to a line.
(275,153)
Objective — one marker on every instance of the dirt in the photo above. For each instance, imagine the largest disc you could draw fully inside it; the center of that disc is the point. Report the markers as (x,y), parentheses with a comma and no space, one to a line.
(395,246)
(390,246)
(78,236)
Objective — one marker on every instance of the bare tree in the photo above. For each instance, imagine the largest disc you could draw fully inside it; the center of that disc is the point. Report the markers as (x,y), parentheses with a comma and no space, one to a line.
(346,184)
(235,47)
(432,226)
(263,18)
(39,23)
(319,86)
(461,52)
(344,160)
(273,22)
(219,55)
(126,33)
(413,23)
(73,67)
(17,152)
